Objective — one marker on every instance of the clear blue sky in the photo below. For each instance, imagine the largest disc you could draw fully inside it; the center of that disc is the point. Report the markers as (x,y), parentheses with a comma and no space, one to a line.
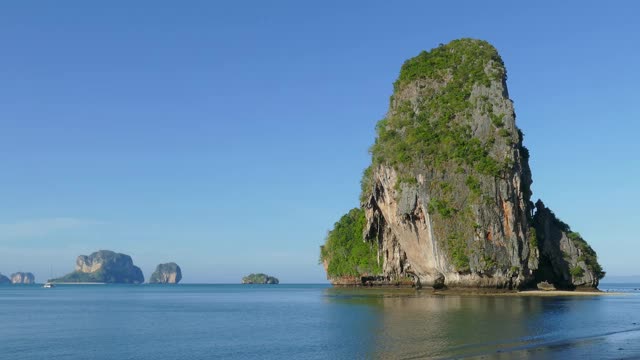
(229,137)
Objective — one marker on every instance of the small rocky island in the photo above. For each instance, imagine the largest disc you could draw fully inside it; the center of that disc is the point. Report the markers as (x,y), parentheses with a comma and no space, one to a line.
(22,278)
(104,266)
(259,278)
(168,273)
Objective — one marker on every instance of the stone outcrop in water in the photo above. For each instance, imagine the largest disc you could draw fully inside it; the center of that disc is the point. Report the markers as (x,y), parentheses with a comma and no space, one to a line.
(259,278)
(4,280)
(446,201)
(22,278)
(168,273)
(104,266)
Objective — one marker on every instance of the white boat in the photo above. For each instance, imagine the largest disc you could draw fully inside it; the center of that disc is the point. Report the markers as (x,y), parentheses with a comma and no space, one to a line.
(49,284)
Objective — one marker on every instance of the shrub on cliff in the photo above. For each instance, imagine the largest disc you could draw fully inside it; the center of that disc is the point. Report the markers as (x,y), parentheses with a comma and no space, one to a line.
(345,251)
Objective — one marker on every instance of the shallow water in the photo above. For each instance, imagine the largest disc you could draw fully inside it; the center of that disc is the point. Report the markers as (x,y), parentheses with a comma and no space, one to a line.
(309,322)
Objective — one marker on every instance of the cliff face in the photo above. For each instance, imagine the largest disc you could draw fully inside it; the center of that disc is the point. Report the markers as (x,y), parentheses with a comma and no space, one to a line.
(104,266)
(567,261)
(4,279)
(447,196)
(448,193)
(22,278)
(169,273)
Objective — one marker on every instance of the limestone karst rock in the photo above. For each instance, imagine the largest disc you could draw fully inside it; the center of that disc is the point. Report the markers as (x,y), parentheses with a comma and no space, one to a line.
(566,260)
(104,266)
(447,199)
(22,278)
(169,273)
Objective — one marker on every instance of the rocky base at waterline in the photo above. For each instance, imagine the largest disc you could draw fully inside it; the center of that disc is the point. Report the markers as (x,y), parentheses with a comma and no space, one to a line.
(104,266)
(446,200)
(169,273)
(374,281)
(260,279)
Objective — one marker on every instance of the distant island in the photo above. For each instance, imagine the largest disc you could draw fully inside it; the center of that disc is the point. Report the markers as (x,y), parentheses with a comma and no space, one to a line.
(22,278)
(18,278)
(447,200)
(259,278)
(169,273)
(104,266)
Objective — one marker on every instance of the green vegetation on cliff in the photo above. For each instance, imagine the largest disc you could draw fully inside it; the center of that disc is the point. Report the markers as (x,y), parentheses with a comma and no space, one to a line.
(465,57)
(436,132)
(345,251)
(587,254)
(102,276)
(439,143)
(78,276)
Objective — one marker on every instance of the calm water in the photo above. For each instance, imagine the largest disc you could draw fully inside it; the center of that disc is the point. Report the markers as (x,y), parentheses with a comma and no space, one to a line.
(309,322)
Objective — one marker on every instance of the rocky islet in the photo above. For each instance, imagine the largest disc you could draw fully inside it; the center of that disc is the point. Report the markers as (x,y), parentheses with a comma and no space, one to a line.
(446,201)
(104,266)
(260,278)
(168,273)
(22,278)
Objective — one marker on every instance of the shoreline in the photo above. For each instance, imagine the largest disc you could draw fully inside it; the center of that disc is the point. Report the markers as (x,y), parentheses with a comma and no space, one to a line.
(526,293)
(481,291)
(567,293)
(78,283)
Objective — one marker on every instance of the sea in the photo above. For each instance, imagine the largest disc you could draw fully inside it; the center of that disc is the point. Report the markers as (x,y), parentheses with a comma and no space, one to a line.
(311,322)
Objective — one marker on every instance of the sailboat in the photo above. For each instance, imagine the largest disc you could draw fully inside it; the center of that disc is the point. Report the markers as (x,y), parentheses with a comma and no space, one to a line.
(49,284)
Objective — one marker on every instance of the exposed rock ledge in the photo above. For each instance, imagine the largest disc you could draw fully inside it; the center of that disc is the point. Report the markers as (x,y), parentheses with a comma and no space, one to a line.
(374,281)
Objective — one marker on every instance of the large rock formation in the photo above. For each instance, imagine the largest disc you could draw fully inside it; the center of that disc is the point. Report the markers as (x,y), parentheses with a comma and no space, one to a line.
(168,273)
(104,266)
(4,280)
(22,278)
(447,196)
(259,278)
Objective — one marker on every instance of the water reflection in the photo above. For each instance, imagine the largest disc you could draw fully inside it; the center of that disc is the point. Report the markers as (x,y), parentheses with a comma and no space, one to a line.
(309,322)
(411,324)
